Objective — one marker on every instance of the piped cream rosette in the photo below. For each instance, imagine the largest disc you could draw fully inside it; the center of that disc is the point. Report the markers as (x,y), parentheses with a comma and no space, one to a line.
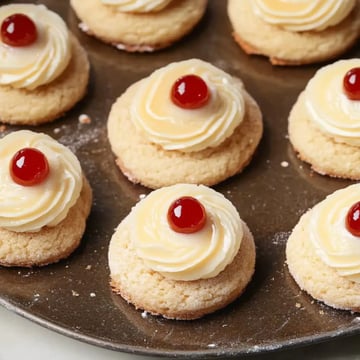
(328,106)
(30,208)
(200,255)
(334,244)
(43,61)
(303,15)
(138,6)
(175,128)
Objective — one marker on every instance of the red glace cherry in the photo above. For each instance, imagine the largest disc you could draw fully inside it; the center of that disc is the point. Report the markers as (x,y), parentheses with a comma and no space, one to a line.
(29,167)
(190,92)
(186,215)
(352,220)
(18,30)
(351,84)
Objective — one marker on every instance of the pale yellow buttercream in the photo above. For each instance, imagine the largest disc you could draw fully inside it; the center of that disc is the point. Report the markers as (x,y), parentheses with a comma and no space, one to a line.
(334,244)
(41,62)
(175,128)
(200,255)
(30,208)
(303,15)
(328,106)
(137,6)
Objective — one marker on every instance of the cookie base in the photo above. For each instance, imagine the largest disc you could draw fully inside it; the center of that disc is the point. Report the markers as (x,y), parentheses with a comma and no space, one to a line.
(47,102)
(284,47)
(148,164)
(313,276)
(322,152)
(139,32)
(181,300)
(50,244)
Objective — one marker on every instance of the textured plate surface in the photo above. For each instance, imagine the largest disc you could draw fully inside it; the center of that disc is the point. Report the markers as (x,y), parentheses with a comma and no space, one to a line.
(73,296)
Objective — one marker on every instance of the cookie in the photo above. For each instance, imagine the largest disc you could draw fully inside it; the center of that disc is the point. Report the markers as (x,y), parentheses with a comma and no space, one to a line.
(322,252)
(42,80)
(141,26)
(178,262)
(158,143)
(45,200)
(323,123)
(295,32)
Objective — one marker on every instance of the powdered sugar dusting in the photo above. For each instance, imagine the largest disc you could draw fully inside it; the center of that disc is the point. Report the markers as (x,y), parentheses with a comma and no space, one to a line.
(280,237)
(80,137)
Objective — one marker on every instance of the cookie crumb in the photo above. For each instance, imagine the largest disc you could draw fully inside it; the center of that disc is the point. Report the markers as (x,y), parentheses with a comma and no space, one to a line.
(142,196)
(144,314)
(84,27)
(84,119)
(321,312)
(74,293)
(284,164)
(88,267)
(298,305)
(92,294)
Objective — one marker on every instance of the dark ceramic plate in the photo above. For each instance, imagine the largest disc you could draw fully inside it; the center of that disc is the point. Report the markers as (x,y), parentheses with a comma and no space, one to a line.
(73,296)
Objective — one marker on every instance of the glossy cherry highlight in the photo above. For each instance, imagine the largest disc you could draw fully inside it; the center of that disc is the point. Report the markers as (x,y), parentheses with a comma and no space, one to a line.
(352,221)
(190,92)
(29,167)
(186,215)
(18,30)
(351,84)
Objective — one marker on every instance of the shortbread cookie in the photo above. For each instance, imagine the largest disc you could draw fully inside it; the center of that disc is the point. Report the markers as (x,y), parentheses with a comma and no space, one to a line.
(45,76)
(323,251)
(45,200)
(295,32)
(324,122)
(193,255)
(144,25)
(158,142)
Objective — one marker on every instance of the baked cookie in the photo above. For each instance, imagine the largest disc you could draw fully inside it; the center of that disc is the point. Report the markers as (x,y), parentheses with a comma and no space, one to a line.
(324,122)
(193,255)
(188,122)
(134,25)
(323,251)
(44,71)
(295,32)
(45,200)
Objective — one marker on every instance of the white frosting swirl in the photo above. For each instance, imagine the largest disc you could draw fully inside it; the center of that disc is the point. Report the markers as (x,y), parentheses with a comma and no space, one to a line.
(137,6)
(41,62)
(303,15)
(328,106)
(334,244)
(199,255)
(30,208)
(175,128)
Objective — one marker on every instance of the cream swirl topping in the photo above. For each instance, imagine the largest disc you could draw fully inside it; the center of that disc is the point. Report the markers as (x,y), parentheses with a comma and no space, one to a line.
(41,62)
(303,15)
(175,128)
(30,208)
(334,244)
(200,255)
(137,6)
(328,106)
